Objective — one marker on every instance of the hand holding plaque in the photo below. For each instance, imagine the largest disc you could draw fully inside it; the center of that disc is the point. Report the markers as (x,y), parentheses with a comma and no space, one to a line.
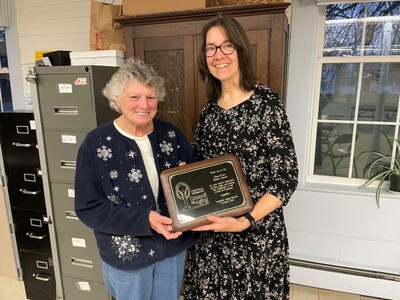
(214,186)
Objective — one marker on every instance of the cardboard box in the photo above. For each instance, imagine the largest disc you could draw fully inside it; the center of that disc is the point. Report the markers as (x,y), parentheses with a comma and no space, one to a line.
(113,58)
(135,7)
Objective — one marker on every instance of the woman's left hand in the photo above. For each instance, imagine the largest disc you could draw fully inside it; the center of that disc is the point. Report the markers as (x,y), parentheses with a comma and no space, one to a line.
(224,224)
(163,225)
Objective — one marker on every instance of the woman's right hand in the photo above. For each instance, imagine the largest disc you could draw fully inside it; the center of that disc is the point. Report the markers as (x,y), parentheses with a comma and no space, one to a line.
(162,225)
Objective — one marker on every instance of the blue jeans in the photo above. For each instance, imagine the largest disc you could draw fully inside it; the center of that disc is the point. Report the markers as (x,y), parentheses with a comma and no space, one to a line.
(159,281)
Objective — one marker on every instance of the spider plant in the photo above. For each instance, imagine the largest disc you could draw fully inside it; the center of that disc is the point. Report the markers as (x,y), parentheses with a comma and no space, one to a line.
(381,168)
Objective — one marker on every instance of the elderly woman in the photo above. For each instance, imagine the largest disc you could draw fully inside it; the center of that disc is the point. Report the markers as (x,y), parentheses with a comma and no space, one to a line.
(117,190)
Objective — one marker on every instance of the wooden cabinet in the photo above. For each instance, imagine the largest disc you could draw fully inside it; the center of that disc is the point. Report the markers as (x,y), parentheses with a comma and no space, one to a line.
(170,42)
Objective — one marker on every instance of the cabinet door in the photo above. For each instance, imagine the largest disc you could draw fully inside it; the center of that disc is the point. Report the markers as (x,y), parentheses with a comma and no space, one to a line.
(173,58)
(269,59)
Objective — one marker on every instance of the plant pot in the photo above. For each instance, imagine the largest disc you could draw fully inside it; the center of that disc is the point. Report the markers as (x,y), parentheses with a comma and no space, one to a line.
(394,183)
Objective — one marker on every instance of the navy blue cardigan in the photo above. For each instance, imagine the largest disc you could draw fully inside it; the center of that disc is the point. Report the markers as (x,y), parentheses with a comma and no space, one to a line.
(113,195)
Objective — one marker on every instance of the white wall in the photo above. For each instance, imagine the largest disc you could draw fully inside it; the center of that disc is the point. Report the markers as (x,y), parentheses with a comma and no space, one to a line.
(12,42)
(333,224)
(51,25)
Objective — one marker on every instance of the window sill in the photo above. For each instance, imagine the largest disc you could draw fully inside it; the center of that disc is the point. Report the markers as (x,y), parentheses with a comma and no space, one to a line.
(338,188)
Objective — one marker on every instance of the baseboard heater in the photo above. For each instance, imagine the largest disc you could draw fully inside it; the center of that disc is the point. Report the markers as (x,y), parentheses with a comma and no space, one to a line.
(344,270)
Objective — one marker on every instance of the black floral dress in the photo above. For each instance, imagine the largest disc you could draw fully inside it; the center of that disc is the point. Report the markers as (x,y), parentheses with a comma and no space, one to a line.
(249,264)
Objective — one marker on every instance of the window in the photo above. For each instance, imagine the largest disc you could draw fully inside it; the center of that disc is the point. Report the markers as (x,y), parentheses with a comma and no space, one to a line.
(5,87)
(358,97)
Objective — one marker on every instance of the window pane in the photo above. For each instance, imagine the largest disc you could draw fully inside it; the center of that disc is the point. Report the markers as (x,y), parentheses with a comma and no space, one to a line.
(5,90)
(333,149)
(343,29)
(382,29)
(372,139)
(338,91)
(3,50)
(362,29)
(380,91)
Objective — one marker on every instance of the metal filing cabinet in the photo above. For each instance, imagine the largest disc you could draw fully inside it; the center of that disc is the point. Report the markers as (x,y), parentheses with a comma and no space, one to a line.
(23,189)
(68,104)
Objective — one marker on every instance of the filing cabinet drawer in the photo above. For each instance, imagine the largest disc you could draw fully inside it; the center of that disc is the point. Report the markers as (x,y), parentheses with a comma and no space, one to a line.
(77,288)
(26,187)
(32,231)
(66,104)
(63,195)
(19,140)
(38,274)
(62,148)
(70,97)
(79,255)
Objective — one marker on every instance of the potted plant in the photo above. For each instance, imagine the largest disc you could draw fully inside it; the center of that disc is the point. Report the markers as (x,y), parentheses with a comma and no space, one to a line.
(383,168)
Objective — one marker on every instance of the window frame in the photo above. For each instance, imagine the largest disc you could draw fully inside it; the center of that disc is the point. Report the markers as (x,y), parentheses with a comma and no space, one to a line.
(319,62)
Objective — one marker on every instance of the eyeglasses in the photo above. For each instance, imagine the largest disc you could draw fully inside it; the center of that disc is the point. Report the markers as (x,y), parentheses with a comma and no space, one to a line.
(226,48)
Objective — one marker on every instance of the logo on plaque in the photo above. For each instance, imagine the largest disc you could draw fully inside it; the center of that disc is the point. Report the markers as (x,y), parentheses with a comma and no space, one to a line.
(192,199)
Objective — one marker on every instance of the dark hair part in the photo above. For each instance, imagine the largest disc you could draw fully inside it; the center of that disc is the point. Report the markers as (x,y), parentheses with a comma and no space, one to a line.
(236,35)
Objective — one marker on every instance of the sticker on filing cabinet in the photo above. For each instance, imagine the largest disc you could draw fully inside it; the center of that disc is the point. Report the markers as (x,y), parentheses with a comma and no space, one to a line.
(68,139)
(83,286)
(78,242)
(65,88)
(71,193)
(80,81)
(32,124)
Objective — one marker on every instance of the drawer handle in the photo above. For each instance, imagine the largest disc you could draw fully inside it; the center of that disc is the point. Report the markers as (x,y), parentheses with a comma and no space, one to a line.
(36,237)
(23,145)
(71,215)
(29,192)
(43,277)
(67,164)
(66,110)
(81,262)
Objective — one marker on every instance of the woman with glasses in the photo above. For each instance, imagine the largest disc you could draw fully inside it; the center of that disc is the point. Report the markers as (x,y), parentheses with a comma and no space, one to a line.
(244,257)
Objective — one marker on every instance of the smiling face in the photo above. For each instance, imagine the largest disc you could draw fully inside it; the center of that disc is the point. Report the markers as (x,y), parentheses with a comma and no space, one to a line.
(223,67)
(138,105)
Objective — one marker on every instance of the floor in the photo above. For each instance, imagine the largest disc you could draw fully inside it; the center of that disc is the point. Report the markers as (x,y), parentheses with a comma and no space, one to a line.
(11,289)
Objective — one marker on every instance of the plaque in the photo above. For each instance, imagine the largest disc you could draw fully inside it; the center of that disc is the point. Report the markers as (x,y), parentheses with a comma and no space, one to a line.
(214,186)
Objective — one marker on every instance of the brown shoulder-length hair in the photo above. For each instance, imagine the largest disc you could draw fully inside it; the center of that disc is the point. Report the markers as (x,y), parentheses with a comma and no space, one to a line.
(236,35)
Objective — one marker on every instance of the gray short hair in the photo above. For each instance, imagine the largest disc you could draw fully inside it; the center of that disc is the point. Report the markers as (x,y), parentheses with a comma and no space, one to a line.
(133,69)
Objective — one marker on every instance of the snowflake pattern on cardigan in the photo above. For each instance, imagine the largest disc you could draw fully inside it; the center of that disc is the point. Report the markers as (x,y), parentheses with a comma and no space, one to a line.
(113,194)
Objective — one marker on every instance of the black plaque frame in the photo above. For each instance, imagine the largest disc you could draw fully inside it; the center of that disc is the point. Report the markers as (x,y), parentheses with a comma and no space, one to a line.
(215,186)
